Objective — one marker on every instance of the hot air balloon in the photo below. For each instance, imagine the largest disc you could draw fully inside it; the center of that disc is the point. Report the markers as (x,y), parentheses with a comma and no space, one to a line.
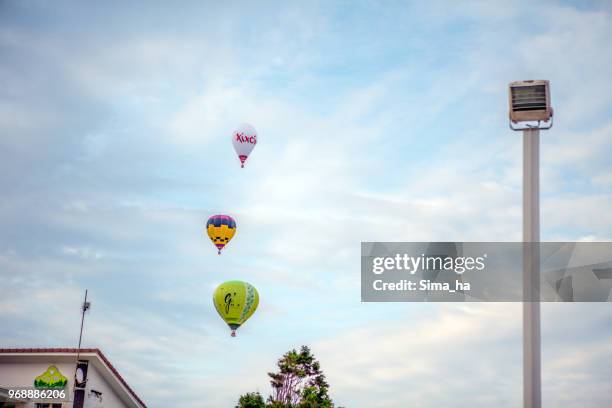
(244,139)
(220,230)
(235,302)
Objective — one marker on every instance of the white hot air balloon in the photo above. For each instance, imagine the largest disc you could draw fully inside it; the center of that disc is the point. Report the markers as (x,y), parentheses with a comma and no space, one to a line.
(244,139)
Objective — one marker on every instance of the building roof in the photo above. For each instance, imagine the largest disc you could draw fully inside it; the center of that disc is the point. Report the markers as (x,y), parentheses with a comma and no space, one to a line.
(95,351)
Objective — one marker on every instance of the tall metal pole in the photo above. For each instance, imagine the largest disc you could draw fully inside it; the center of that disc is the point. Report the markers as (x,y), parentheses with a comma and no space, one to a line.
(78,400)
(532,388)
(83,310)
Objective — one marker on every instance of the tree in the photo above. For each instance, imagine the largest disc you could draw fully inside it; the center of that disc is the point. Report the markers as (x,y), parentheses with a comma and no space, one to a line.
(251,400)
(299,383)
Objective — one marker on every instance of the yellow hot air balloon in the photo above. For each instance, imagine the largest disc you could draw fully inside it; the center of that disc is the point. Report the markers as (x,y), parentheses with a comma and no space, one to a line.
(235,302)
(220,230)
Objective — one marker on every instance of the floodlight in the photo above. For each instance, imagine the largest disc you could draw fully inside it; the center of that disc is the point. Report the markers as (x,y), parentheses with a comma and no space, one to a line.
(530,111)
(530,102)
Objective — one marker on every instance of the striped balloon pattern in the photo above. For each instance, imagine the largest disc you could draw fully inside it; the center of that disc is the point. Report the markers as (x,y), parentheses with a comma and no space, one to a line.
(220,229)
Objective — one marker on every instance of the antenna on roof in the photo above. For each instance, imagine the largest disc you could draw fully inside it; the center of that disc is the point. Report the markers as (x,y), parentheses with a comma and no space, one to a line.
(85,307)
(80,374)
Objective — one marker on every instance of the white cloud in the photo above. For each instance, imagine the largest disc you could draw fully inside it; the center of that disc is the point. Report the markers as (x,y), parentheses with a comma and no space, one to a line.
(404,152)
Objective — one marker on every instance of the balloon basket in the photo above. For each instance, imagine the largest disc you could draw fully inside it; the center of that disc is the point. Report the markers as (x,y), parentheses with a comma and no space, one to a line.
(233,333)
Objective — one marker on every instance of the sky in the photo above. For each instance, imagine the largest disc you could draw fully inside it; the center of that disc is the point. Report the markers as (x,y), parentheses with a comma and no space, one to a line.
(377,121)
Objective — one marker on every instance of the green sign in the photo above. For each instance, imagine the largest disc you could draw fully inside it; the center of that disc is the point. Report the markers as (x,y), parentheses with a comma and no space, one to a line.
(52,378)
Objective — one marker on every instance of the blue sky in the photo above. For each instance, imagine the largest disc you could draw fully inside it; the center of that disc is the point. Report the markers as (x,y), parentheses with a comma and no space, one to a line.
(377,121)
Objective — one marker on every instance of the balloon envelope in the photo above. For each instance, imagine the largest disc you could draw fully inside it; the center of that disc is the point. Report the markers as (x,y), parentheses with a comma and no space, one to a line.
(220,230)
(244,140)
(235,302)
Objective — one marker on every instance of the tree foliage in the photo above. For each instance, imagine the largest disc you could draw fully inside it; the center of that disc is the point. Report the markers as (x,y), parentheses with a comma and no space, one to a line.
(251,400)
(299,383)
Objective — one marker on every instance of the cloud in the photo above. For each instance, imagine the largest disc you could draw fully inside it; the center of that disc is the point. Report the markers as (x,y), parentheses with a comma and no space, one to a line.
(374,125)
(418,358)
(423,350)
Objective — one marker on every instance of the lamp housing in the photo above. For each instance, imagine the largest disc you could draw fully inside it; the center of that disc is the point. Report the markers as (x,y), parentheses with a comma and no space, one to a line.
(530,101)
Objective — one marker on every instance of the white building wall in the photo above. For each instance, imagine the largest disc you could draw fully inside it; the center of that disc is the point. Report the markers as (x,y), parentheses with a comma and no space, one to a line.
(95,381)
(23,375)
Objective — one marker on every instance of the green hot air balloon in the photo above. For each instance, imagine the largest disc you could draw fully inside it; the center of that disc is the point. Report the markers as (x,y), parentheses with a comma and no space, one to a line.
(235,302)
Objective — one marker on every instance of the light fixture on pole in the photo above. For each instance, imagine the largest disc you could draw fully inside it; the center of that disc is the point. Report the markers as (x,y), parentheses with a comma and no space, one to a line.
(530,111)
(530,102)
